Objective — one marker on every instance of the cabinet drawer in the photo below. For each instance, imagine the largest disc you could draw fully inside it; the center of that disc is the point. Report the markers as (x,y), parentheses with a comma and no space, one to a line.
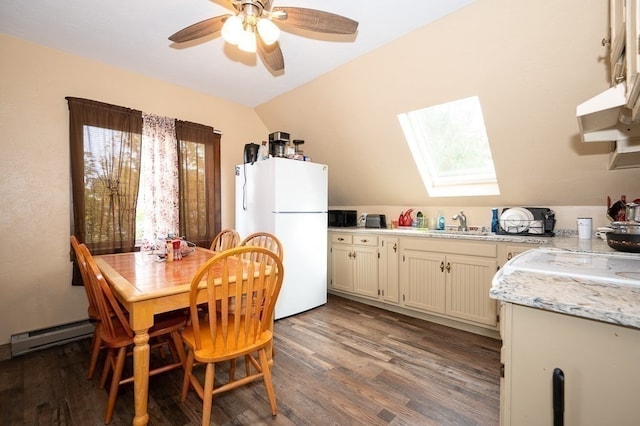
(342,238)
(366,240)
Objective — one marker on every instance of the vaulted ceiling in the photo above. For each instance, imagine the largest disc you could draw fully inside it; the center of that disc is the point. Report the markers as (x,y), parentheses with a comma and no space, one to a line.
(133,35)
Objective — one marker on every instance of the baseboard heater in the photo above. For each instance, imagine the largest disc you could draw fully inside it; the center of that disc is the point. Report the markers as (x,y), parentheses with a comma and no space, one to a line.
(30,341)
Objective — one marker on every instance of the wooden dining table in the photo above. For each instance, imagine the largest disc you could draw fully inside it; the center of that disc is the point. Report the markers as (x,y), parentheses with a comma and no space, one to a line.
(147,286)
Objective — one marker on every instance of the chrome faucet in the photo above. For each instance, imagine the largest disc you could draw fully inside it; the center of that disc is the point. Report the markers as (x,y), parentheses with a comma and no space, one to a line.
(463,221)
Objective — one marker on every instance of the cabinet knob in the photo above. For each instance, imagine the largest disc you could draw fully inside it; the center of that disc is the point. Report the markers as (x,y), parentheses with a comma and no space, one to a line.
(509,256)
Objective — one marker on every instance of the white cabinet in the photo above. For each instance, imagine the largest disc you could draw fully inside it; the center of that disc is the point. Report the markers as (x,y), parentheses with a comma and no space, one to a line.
(423,280)
(451,278)
(507,252)
(354,263)
(341,262)
(599,362)
(389,249)
(624,53)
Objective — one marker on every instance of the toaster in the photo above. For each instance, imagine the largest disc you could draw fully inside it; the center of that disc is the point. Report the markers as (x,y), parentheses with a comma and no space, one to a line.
(375,221)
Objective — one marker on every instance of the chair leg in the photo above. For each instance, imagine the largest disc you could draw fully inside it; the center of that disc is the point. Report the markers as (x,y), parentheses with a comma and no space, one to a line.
(268,383)
(179,348)
(188,367)
(96,344)
(115,384)
(232,370)
(207,399)
(108,362)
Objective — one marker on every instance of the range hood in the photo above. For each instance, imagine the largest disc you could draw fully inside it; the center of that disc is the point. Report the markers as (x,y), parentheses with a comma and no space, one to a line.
(606,118)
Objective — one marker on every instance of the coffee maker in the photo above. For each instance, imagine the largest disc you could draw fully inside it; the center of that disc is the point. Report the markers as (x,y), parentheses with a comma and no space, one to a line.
(277,143)
(251,152)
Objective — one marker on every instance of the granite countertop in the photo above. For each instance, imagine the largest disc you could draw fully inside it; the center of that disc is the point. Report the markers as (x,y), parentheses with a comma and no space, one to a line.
(612,303)
(564,239)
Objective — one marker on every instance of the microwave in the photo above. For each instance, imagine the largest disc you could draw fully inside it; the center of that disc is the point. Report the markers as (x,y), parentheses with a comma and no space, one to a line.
(343,218)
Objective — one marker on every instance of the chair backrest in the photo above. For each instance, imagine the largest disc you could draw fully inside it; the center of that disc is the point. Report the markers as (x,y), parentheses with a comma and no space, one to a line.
(226,239)
(238,314)
(264,240)
(82,266)
(113,320)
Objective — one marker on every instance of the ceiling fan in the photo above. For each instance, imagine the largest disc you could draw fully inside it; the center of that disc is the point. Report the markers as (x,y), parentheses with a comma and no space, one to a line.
(252,27)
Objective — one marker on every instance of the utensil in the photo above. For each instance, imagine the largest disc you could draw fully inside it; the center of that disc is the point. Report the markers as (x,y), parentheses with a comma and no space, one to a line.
(633,212)
(626,227)
(617,211)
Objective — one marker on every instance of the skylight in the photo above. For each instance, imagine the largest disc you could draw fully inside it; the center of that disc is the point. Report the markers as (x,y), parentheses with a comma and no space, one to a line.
(451,149)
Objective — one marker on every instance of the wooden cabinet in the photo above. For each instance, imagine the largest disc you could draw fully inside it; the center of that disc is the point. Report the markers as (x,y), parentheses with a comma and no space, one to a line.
(423,280)
(468,284)
(354,264)
(506,252)
(617,40)
(624,53)
(341,262)
(599,362)
(452,278)
(389,250)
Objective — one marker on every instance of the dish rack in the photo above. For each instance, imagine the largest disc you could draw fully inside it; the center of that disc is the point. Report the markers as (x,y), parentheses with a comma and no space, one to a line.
(541,225)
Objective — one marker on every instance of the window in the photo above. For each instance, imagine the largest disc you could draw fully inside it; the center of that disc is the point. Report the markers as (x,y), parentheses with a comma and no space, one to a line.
(105,144)
(450,147)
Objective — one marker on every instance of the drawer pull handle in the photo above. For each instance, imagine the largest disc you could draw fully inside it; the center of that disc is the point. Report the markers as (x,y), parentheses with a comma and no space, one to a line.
(340,239)
(364,241)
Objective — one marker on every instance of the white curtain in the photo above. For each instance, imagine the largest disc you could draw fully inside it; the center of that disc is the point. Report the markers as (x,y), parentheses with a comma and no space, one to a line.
(157,212)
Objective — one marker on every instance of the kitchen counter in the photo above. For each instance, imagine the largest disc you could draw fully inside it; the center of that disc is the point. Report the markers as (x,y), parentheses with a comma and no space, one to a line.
(588,285)
(565,240)
(599,300)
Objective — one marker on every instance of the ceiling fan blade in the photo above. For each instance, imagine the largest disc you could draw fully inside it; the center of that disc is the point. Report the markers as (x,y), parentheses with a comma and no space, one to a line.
(271,55)
(201,29)
(316,20)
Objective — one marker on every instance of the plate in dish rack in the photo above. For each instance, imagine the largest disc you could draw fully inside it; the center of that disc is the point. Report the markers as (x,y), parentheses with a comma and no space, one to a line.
(516,220)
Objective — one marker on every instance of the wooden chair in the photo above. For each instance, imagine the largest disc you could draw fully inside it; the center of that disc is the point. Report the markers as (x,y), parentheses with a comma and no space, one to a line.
(92,310)
(265,240)
(117,335)
(226,239)
(224,335)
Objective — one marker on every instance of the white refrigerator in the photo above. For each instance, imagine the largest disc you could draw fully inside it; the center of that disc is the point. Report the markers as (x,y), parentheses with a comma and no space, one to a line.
(288,198)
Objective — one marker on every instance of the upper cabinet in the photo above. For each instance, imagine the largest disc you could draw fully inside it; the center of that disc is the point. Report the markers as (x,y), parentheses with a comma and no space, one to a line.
(614,115)
(617,41)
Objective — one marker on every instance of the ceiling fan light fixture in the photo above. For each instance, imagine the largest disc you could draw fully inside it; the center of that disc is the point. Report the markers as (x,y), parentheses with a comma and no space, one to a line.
(269,32)
(247,41)
(232,30)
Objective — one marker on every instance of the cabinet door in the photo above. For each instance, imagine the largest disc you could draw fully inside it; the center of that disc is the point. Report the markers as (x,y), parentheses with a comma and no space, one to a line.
(342,267)
(509,251)
(617,40)
(599,361)
(424,280)
(388,267)
(468,284)
(365,281)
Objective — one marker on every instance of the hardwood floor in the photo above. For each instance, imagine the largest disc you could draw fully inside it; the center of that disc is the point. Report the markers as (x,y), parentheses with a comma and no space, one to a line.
(344,363)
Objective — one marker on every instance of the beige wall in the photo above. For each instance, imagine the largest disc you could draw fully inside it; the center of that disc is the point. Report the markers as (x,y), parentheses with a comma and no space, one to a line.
(35,272)
(530,62)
